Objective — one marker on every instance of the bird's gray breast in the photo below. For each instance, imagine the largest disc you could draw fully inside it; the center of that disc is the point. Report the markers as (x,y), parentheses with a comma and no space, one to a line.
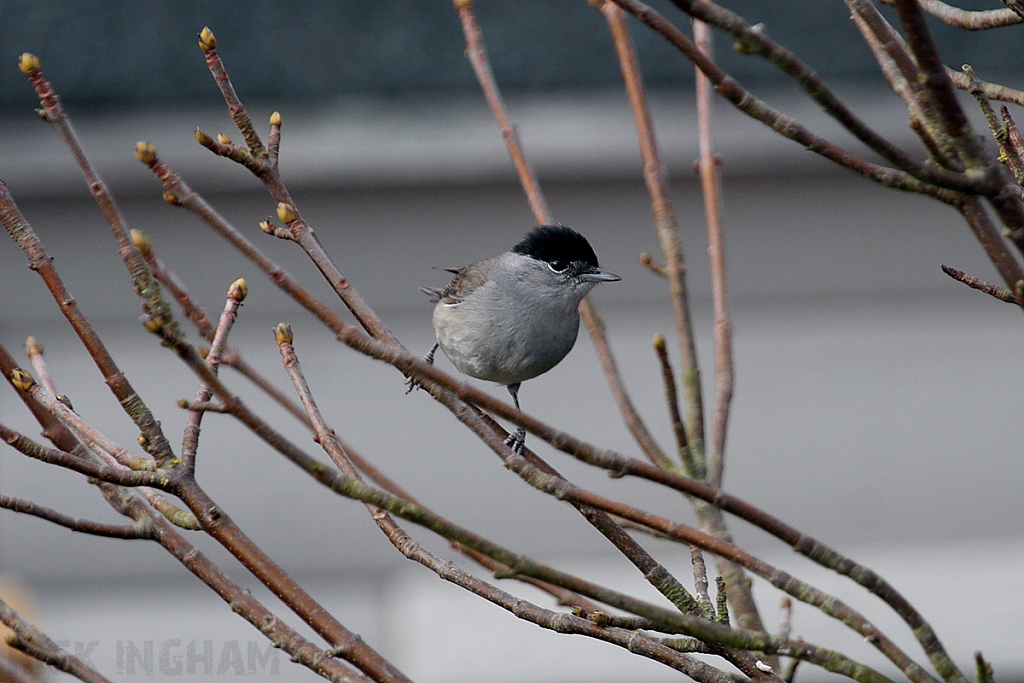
(517,324)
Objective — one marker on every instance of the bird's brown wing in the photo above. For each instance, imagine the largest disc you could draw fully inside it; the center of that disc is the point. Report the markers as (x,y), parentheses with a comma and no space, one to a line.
(465,281)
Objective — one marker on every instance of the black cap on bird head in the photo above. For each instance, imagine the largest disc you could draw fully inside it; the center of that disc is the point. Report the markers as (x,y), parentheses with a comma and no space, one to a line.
(551,243)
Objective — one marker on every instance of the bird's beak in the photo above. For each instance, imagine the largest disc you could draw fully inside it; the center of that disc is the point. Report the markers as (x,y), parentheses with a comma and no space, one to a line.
(599,275)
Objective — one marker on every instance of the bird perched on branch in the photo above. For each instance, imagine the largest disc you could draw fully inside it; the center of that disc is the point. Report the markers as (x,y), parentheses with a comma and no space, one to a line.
(515,316)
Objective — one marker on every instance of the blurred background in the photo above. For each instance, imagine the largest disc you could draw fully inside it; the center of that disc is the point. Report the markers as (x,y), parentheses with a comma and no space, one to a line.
(876,405)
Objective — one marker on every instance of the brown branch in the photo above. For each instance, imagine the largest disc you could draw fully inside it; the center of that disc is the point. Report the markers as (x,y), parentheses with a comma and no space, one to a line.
(1004,196)
(1000,130)
(668,234)
(146,287)
(758,42)
(240,600)
(447,570)
(562,489)
(477,55)
(85,526)
(700,582)
(971,20)
(232,356)
(190,435)
(660,619)
(263,164)
(789,128)
(52,456)
(992,90)
(901,71)
(710,184)
(691,467)
(34,642)
(630,416)
(1015,142)
(666,225)
(995,291)
(40,261)
(34,351)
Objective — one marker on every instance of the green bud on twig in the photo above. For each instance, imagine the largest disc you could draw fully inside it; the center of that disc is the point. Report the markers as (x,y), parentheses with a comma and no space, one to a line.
(33,347)
(203,139)
(238,290)
(223,139)
(154,323)
(29,64)
(275,118)
(283,333)
(286,212)
(145,152)
(659,343)
(141,241)
(207,41)
(21,379)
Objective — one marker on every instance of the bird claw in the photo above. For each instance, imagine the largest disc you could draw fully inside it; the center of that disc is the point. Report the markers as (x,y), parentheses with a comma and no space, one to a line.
(411,382)
(517,441)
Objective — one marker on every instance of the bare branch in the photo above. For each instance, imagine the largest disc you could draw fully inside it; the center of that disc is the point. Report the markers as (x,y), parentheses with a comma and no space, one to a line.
(34,642)
(40,261)
(743,100)
(666,225)
(1000,293)
(85,526)
(709,178)
(971,20)
(634,423)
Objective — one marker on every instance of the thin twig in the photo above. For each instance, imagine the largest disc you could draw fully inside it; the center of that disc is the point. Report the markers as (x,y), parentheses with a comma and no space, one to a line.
(904,76)
(999,126)
(34,642)
(634,423)
(1000,293)
(231,356)
(122,500)
(789,128)
(190,435)
(971,20)
(758,42)
(477,55)
(690,465)
(1004,195)
(666,226)
(263,163)
(145,286)
(709,178)
(700,582)
(407,546)
(992,90)
(676,622)
(79,524)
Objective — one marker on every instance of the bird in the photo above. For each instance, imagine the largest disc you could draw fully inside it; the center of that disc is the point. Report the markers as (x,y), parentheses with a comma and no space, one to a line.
(515,316)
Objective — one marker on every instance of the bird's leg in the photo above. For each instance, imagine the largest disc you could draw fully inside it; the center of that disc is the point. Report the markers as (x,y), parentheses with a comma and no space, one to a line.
(411,383)
(517,440)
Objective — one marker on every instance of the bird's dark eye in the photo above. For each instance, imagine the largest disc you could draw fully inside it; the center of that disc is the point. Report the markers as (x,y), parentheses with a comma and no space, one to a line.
(558,265)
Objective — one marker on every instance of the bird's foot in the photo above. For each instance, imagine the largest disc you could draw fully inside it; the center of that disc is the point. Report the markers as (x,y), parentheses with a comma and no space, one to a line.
(517,441)
(411,382)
